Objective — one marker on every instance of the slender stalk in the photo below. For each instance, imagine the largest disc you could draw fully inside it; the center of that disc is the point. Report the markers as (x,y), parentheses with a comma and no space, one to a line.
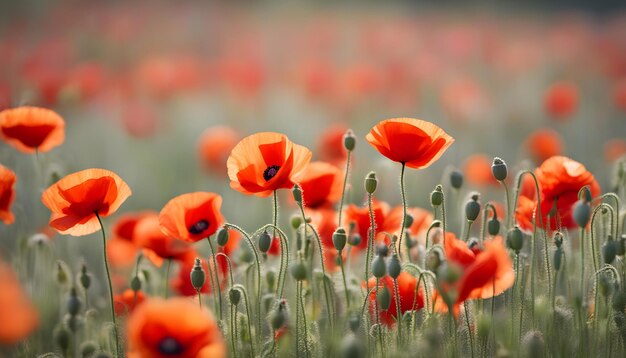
(118,352)
(370,239)
(469,327)
(403,192)
(582,264)
(343,190)
(247,304)
(378,328)
(398,311)
(508,204)
(343,275)
(216,287)
(302,309)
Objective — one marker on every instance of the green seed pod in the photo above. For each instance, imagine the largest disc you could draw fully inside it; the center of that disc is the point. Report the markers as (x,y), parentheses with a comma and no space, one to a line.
(456,179)
(493,226)
(73,303)
(408,221)
(355,240)
(378,267)
(558,258)
(499,169)
(384,298)
(222,236)
(352,347)
(85,277)
(265,242)
(278,317)
(62,337)
(339,238)
(297,194)
(299,270)
(135,284)
(394,267)
(581,213)
(235,296)
(515,239)
(296,221)
(197,275)
(472,208)
(88,348)
(436,197)
(371,182)
(609,251)
(433,260)
(349,140)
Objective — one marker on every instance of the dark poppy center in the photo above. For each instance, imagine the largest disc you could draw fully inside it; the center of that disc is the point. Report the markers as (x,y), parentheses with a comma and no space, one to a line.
(170,347)
(270,172)
(199,227)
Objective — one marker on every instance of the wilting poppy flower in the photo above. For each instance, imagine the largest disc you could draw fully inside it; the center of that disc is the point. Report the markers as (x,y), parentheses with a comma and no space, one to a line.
(19,316)
(561,100)
(543,144)
(122,248)
(192,217)
(406,292)
(175,327)
(215,145)
(264,162)
(127,301)
(7,194)
(76,199)
(31,129)
(321,184)
(413,142)
(148,235)
(477,169)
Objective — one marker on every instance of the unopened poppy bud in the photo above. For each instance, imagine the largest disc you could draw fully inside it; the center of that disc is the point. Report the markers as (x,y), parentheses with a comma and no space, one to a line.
(586,194)
(296,221)
(354,322)
(558,258)
(408,221)
(581,213)
(62,337)
(73,303)
(433,260)
(394,267)
(384,298)
(436,197)
(297,194)
(608,252)
(456,179)
(198,276)
(379,268)
(339,238)
(515,239)
(298,270)
(493,226)
(558,239)
(473,244)
(349,140)
(235,296)
(265,242)
(135,284)
(355,240)
(499,169)
(88,348)
(85,277)
(620,246)
(278,317)
(382,250)
(270,277)
(371,183)
(62,276)
(222,236)
(352,347)
(472,208)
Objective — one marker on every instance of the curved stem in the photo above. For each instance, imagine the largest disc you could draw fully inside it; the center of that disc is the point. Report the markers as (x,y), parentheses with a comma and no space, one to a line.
(106,267)
(284,256)
(247,304)
(343,190)
(488,206)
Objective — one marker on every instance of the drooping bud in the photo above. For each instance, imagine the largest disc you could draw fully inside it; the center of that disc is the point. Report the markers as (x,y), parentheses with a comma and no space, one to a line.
(297,194)
(384,298)
(472,208)
(379,268)
(349,140)
(456,179)
(609,251)
(499,169)
(436,197)
(235,296)
(222,236)
(339,238)
(265,241)
(296,221)
(515,239)
(394,267)
(433,260)
(408,221)
(581,213)
(135,284)
(197,275)
(371,182)
(382,250)
(278,317)
(493,226)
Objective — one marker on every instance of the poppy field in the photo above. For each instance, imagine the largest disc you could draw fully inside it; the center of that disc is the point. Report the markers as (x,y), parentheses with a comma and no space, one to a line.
(213,180)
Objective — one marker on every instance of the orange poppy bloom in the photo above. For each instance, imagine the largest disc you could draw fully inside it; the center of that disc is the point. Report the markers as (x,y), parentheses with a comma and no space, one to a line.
(175,327)
(264,162)
(321,184)
(76,199)
(31,129)
(192,217)
(361,218)
(414,142)
(406,292)
(477,169)
(148,235)
(214,146)
(7,194)
(122,248)
(324,220)
(543,144)
(127,301)
(19,316)
(561,100)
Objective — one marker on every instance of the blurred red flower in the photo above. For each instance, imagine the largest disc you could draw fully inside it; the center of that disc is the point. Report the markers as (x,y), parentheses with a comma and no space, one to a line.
(31,129)
(7,194)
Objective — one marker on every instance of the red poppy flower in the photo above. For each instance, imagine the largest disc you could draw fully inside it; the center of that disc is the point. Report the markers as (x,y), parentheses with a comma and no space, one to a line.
(19,316)
(215,145)
(414,142)
(7,194)
(148,235)
(543,144)
(122,248)
(331,148)
(175,327)
(264,162)
(127,301)
(406,292)
(76,199)
(321,184)
(561,100)
(192,217)
(31,129)
(361,218)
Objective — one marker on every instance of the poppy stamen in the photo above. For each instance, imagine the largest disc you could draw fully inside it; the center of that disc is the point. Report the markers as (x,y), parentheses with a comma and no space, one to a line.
(270,172)
(199,227)
(170,346)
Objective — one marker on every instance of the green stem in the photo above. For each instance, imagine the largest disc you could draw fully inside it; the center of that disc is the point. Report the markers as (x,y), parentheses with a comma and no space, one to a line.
(343,190)
(343,275)
(469,327)
(398,311)
(508,204)
(216,287)
(247,304)
(304,323)
(402,191)
(370,238)
(378,328)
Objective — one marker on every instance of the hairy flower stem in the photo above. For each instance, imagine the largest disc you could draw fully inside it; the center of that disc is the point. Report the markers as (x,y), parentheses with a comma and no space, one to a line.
(343,190)
(370,239)
(398,311)
(343,276)
(403,193)
(469,328)
(508,204)
(246,302)
(216,285)
(378,327)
